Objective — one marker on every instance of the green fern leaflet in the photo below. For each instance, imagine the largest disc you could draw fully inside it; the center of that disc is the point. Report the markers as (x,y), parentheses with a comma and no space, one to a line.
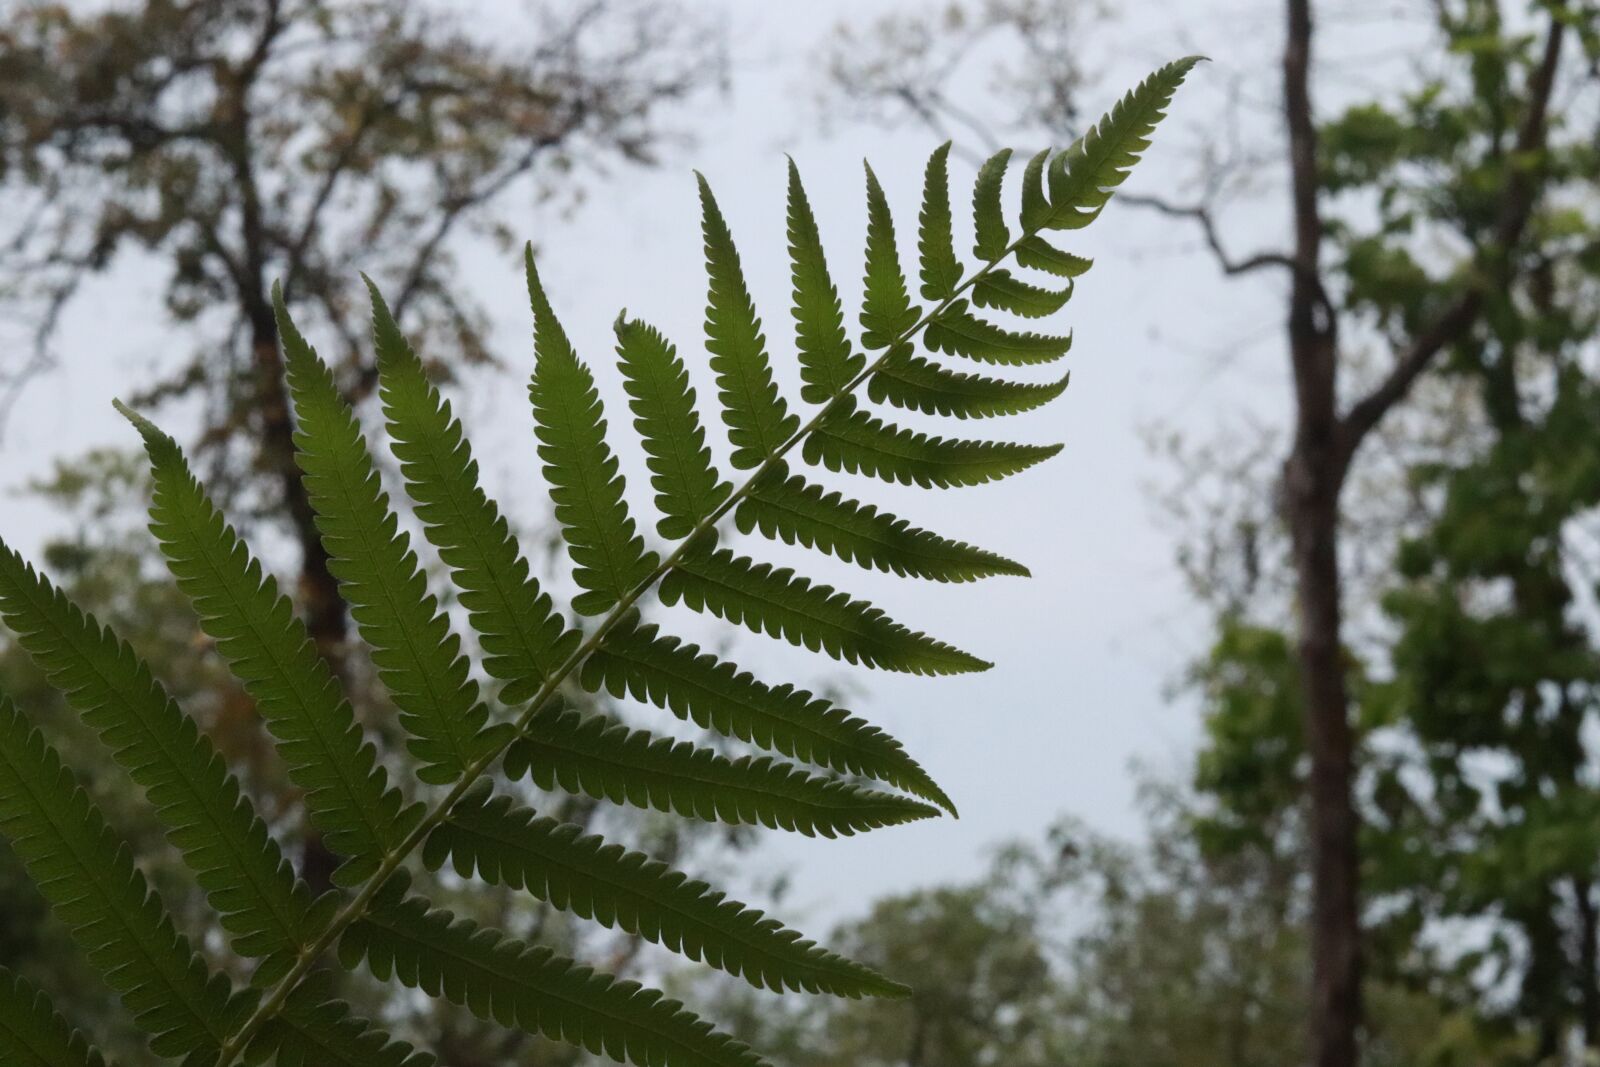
(791,761)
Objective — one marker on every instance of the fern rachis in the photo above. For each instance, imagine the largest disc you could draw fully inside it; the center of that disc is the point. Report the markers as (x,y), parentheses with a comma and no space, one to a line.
(376,917)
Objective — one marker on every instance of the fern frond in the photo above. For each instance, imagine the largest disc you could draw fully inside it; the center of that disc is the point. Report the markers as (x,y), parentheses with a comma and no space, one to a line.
(908,381)
(757,417)
(687,487)
(991,235)
(1083,177)
(1037,253)
(959,332)
(637,660)
(795,510)
(419,659)
(523,636)
(33,1034)
(855,441)
(887,313)
(1004,290)
(315,1029)
(609,555)
(294,1021)
(265,910)
(597,756)
(941,271)
(776,601)
(827,364)
(269,651)
(89,879)
(557,862)
(503,980)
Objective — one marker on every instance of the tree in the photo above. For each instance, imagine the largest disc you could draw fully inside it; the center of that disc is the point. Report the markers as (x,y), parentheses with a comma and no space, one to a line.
(1328,316)
(1484,812)
(1081,949)
(300,141)
(236,143)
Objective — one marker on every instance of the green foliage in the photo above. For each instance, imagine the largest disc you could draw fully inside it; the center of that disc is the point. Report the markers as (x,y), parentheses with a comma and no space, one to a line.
(758,418)
(941,271)
(528,987)
(456,737)
(596,755)
(90,880)
(610,559)
(776,601)
(959,332)
(639,661)
(796,510)
(911,382)
(1477,692)
(827,364)
(558,862)
(32,1034)
(991,234)
(687,489)
(255,628)
(861,443)
(523,636)
(262,905)
(419,660)
(315,1030)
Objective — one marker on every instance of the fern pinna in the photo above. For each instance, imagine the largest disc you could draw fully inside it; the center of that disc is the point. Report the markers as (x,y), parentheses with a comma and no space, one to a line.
(457,736)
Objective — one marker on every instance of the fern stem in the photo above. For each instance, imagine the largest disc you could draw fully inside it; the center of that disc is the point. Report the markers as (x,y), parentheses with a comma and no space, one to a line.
(357,906)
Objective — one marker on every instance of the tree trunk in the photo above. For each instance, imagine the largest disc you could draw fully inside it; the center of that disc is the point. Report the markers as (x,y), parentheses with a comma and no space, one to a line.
(1588,961)
(1312,485)
(1313,478)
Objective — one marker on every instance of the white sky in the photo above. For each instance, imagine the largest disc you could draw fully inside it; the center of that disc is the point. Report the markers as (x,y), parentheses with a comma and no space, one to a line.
(1087,650)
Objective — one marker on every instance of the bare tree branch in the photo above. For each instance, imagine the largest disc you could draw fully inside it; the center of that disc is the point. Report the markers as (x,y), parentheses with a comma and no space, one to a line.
(1202,215)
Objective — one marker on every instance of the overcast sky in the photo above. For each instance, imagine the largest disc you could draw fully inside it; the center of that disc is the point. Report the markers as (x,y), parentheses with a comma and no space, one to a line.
(1088,650)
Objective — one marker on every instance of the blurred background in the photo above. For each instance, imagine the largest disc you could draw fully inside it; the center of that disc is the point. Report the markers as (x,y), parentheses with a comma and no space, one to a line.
(1291,744)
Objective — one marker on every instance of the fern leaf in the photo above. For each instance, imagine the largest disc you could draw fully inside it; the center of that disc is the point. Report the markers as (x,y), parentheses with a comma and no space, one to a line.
(89,879)
(886,308)
(991,234)
(686,484)
(597,756)
(610,557)
(418,658)
(33,1034)
(503,980)
(315,1029)
(1083,177)
(858,442)
(522,634)
(775,601)
(793,509)
(758,420)
(265,910)
(1004,290)
(941,271)
(1035,204)
(959,332)
(636,660)
(577,872)
(1039,254)
(827,365)
(908,381)
(271,654)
